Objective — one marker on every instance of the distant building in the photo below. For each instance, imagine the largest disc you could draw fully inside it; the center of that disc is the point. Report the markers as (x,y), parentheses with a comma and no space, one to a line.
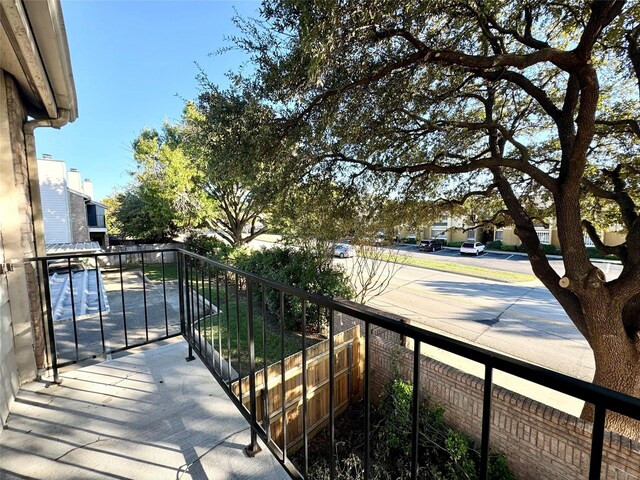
(69,212)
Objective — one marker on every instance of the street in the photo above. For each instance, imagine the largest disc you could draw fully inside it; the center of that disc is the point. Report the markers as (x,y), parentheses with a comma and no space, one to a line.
(510,262)
(520,320)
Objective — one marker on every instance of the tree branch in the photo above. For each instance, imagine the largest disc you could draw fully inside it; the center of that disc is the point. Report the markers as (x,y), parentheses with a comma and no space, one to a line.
(633,50)
(525,230)
(622,198)
(619,250)
(628,125)
(526,39)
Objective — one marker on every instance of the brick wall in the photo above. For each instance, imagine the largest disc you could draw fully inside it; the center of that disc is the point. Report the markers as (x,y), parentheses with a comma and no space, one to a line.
(78,217)
(539,442)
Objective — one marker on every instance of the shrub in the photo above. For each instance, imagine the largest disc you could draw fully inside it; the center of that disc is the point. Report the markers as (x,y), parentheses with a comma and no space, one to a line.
(454,244)
(594,253)
(508,248)
(495,245)
(410,240)
(444,452)
(550,249)
(297,268)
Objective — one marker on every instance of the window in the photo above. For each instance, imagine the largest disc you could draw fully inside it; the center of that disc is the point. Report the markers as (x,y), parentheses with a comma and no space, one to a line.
(438,233)
(471,235)
(442,222)
(498,235)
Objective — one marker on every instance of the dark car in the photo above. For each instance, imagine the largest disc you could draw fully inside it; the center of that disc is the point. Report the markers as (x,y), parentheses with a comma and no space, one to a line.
(431,245)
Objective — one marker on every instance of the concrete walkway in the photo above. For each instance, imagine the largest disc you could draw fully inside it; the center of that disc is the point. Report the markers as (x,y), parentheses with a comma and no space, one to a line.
(146,415)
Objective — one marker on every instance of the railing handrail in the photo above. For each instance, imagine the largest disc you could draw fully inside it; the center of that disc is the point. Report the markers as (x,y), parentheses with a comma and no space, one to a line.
(574,387)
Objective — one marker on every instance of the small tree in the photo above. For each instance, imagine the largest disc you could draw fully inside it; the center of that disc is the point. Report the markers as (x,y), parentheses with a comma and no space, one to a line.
(163,200)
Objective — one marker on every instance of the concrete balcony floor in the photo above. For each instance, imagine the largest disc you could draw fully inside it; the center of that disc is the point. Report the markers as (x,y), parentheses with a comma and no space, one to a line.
(148,414)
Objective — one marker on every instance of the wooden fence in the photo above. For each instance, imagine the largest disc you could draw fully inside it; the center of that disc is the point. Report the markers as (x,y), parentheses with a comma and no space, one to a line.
(348,387)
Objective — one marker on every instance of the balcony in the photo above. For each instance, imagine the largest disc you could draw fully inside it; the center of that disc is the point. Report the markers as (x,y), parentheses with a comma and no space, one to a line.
(177,377)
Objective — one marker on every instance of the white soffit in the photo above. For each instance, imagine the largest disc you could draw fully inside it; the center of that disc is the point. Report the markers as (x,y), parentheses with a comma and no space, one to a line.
(34,50)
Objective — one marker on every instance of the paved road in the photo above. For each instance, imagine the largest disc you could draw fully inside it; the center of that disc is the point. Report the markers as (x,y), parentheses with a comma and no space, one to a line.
(517,263)
(499,261)
(520,320)
(89,333)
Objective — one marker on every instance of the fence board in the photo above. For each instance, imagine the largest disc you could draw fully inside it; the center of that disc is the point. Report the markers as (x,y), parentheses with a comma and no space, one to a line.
(348,378)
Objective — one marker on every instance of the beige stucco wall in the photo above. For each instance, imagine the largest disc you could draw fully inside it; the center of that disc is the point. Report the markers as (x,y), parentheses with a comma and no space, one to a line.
(555,241)
(614,238)
(19,294)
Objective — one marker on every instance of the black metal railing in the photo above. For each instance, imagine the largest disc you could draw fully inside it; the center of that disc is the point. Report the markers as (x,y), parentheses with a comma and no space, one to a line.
(219,311)
(103,303)
(603,399)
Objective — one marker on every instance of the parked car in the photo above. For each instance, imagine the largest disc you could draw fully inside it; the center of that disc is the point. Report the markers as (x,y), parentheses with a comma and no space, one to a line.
(475,248)
(411,239)
(343,250)
(431,245)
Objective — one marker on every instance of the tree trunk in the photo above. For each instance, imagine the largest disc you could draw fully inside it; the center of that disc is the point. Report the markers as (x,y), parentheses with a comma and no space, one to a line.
(617,360)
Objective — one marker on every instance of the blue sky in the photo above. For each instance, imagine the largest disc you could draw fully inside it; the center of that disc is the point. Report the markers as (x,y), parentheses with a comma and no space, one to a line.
(131,60)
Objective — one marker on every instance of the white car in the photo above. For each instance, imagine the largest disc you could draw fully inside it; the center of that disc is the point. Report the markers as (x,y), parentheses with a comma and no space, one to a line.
(343,250)
(474,248)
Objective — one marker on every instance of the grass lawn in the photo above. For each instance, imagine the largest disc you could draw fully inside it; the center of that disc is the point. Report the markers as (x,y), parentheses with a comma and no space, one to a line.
(237,317)
(237,314)
(499,275)
(153,271)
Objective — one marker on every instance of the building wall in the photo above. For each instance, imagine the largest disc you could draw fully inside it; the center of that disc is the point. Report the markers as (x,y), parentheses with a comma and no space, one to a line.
(539,442)
(614,238)
(55,201)
(19,294)
(78,217)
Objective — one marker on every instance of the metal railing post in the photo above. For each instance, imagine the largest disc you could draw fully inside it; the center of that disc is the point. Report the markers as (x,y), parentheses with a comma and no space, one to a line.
(253,448)
(144,297)
(283,381)
(73,309)
(597,441)
(179,268)
(99,292)
(367,401)
(415,419)
(332,401)
(486,422)
(305,427)
(52,335)
(187,286)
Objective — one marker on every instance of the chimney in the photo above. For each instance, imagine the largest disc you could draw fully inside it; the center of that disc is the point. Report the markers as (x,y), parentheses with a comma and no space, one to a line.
(73,180)
(87,187)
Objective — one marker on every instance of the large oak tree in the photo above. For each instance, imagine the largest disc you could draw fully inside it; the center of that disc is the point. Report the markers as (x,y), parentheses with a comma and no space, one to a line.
(532,103)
